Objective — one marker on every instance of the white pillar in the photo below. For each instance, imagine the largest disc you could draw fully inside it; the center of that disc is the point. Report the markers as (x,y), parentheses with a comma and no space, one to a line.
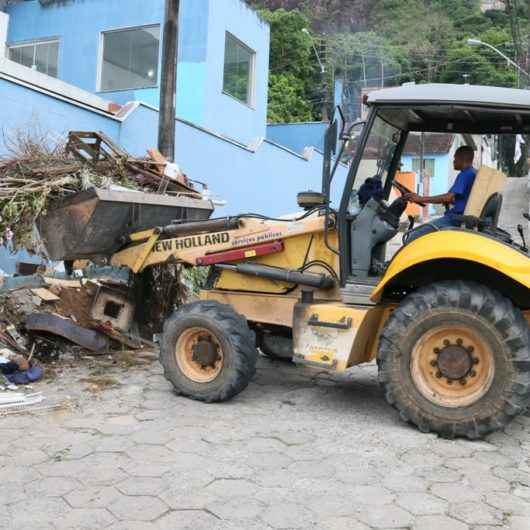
(4,23)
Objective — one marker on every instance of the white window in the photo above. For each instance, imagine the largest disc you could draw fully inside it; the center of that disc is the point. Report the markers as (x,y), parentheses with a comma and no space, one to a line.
(238,70)
(42,56)
(130,59)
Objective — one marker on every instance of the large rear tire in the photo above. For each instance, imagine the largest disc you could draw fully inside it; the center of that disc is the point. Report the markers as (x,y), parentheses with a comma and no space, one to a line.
(207,351)
(454,359)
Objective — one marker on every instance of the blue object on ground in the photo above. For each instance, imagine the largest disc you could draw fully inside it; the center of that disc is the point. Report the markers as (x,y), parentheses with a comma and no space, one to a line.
(25,377)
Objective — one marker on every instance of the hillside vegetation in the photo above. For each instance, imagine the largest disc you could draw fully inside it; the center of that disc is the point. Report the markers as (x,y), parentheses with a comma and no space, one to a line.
(376,43)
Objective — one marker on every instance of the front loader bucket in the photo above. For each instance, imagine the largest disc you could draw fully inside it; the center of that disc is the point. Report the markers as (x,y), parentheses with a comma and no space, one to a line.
(92,223)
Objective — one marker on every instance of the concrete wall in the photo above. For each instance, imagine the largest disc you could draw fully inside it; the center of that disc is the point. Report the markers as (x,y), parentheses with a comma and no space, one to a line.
(203,25)
(298,136)
(265,180)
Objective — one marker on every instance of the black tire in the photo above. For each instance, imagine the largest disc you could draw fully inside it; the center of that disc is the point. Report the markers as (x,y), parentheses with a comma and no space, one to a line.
(503,329)
(278,347)
(235,338)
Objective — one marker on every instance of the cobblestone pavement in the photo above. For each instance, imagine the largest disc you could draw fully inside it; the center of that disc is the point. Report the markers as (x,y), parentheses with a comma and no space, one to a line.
(297,449)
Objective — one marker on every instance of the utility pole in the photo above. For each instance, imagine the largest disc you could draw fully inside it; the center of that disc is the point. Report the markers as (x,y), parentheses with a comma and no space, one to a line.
(168,82)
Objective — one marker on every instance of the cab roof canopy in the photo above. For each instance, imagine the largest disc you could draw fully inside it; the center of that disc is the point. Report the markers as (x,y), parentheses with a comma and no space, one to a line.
(454,108)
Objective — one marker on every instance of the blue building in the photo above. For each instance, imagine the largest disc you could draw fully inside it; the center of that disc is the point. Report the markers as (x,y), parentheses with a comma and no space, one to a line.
(112,48)
(438,154)
(96,64)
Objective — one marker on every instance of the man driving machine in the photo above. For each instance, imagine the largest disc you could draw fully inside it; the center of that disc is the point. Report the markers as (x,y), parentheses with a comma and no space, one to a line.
(457,196)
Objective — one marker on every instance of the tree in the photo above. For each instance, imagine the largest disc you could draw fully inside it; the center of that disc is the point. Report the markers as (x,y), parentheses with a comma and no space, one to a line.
(294,79)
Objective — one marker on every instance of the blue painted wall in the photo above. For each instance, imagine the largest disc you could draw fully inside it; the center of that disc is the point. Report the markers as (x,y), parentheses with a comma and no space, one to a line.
(440,180)
(222,112)
(78,25)
(266,181)
(297,136)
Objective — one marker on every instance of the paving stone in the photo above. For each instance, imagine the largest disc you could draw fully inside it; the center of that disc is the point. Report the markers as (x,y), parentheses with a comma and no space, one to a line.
(85,519)
(370,495)
(149,436)
(188,520)
(389,517)
(438,522)
(236,508)
(268,460)
(523,492)
(142,486)
(440,474)
(51,487)
(342,523)
(37,513)
(399,484)
(231,488)
(131,525)
(513,475)
(311,469)
(486,482)
(421,503)
(519,522)
(288,515)
(11,493)
(19,475)
(146,469)
(456,492)
(509,503)
(474,513)
(138,508)
(92,497)
(338,459)
(153,453)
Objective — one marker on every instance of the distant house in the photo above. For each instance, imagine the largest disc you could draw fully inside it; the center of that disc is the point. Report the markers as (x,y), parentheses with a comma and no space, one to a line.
(438,152)
(438,155)
(96,65)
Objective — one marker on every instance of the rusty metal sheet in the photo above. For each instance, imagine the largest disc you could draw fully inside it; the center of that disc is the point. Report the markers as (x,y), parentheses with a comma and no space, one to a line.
(66,328)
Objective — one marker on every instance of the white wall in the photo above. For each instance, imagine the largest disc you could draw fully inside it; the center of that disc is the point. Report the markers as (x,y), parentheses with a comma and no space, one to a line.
(4,22)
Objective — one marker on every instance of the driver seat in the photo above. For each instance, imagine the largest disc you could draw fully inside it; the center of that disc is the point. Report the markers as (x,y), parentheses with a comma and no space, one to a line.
(489,216)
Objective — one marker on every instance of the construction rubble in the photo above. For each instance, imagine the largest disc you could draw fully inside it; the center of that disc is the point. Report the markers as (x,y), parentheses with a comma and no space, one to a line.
(51,317)
(36,175)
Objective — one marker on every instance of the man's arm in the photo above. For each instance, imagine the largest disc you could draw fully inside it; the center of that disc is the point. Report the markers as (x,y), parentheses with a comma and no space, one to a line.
(446,198)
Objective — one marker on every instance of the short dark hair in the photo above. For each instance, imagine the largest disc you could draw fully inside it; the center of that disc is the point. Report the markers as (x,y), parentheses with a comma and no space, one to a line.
(467,152)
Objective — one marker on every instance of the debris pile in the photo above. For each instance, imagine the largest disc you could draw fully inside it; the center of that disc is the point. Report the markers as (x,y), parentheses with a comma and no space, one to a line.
(36,175)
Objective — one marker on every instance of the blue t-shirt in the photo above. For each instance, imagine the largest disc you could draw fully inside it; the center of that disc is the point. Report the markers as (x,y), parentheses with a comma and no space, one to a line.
(462,189)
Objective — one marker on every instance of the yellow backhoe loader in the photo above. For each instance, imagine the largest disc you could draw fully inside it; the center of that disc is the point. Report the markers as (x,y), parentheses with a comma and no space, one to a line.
(446,319)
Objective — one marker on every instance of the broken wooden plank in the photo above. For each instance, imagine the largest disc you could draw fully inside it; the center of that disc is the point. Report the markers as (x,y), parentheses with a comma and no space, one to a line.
(45,295)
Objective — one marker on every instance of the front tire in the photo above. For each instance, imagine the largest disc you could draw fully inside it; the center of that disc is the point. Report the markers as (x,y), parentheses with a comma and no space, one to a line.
(454,359)
(207,351)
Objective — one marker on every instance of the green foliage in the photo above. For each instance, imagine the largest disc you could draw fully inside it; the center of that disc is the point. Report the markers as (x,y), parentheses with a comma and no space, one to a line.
(294,74)
(194,278)
(287,100)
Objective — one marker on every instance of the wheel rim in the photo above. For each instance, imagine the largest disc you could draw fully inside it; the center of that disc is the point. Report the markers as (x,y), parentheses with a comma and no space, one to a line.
(199,355)
(452,366)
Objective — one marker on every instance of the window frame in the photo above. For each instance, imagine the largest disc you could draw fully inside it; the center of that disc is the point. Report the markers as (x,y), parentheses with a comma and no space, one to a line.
(101,54)
(251,103)
(35,43)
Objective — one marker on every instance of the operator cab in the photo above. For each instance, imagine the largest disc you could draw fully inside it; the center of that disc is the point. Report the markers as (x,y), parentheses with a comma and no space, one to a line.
(394,113)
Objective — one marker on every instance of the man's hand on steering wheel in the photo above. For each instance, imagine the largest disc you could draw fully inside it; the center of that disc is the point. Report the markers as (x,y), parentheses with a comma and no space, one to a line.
(407,194)
(412,197)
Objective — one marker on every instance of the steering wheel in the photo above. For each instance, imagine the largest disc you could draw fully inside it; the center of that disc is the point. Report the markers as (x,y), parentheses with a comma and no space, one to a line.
(404,190)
